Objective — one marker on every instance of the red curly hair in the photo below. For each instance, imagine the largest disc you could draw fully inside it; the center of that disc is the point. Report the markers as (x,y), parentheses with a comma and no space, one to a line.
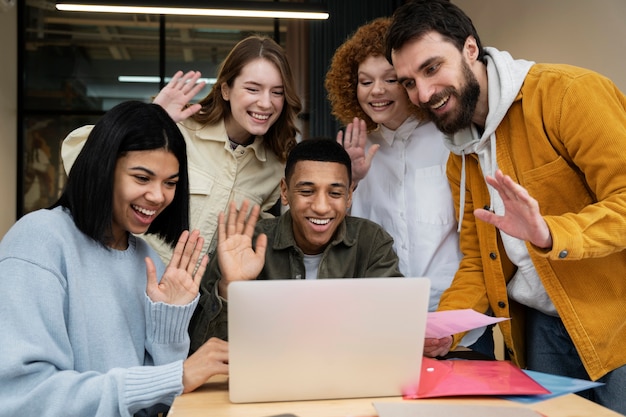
(342,77)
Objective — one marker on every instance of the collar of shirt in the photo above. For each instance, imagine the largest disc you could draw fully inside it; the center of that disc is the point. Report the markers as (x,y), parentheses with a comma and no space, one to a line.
(217,133)
(402,133)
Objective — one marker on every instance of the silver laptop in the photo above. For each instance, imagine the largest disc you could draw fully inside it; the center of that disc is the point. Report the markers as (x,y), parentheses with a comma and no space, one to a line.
(324,339)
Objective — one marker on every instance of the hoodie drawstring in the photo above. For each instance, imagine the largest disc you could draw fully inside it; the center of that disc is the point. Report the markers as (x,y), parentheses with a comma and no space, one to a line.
(461,192)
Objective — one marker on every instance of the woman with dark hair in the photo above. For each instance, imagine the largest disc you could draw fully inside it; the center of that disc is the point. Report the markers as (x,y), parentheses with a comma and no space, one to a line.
(128,128)
(89,329)
(237,137)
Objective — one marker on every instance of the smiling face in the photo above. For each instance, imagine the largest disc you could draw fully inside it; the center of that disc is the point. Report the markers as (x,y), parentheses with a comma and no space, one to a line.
(379,94)
(144,185)
(256,100)
(318,195)
(440,80)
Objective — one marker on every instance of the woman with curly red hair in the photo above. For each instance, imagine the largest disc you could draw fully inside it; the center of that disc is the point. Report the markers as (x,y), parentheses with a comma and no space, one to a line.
(404,188)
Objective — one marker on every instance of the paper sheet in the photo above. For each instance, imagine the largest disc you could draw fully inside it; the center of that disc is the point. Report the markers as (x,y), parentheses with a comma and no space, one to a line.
(556,384)
(445,323)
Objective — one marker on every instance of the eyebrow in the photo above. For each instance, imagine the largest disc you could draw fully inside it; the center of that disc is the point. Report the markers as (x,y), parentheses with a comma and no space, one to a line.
(311,183)
(424,64)
(258,84)
(150,172)
(386,73)
(428,62)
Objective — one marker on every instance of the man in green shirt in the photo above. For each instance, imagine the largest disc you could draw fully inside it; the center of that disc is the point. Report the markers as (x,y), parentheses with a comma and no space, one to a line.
(314,238)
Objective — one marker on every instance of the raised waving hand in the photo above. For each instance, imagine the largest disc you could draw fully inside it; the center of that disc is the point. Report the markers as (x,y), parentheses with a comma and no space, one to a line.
(236,257)
(177,94)
(522,218)
(181,280)
(353,141)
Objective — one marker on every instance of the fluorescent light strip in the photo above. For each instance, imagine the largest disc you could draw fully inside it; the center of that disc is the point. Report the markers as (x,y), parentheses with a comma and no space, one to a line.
(191,11)
(155,80)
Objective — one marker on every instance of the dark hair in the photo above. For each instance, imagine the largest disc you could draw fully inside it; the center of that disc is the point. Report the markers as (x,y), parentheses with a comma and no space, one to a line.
(318,149)
(342,78)
(88,193)
(415,18)
(281,136)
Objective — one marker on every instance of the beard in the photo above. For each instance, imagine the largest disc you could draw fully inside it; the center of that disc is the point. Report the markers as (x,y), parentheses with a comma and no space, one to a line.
(453,121)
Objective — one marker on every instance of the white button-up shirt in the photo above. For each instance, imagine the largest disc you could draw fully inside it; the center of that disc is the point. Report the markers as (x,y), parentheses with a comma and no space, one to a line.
(406,191)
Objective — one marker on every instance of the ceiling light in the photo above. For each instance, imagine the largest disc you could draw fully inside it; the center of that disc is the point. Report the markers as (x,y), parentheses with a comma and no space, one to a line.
(155,79)
(270,9)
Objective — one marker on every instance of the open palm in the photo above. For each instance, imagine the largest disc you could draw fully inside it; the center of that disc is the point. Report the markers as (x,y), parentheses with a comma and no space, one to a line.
(237,259)
(177,94)
(354,141)
(181,280)
(522,218)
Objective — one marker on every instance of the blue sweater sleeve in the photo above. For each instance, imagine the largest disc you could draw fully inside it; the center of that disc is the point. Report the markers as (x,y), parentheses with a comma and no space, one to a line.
(167,330)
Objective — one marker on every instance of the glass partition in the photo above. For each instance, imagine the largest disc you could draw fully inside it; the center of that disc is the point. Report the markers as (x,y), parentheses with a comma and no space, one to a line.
(75,66)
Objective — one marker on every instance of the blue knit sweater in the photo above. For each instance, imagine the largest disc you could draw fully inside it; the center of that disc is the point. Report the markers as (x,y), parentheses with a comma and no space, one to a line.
(78,334)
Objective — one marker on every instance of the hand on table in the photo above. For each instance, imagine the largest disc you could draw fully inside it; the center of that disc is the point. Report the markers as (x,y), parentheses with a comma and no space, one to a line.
(210,359)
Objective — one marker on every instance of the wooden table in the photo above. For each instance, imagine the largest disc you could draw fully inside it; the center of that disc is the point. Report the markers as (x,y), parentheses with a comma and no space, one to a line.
(212,400)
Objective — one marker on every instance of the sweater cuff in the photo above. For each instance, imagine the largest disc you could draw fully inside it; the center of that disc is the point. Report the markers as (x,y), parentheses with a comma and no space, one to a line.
(167,323)
(150,385)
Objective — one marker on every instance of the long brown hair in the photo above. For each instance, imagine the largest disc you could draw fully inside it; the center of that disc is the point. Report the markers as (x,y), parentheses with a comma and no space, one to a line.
(281,136)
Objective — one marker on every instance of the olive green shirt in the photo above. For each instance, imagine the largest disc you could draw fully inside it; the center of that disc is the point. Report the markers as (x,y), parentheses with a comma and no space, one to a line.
(360,249)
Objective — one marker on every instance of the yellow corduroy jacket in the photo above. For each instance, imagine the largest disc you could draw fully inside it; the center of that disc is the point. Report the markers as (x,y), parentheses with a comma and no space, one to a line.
(564,140)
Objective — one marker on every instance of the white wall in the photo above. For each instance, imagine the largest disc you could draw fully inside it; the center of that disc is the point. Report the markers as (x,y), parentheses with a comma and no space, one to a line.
(586,33)
(8,117)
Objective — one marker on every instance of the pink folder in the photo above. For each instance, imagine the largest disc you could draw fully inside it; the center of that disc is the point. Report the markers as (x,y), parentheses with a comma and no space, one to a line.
(445,378)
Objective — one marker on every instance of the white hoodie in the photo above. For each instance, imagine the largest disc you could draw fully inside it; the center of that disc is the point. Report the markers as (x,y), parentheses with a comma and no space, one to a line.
(505,77)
